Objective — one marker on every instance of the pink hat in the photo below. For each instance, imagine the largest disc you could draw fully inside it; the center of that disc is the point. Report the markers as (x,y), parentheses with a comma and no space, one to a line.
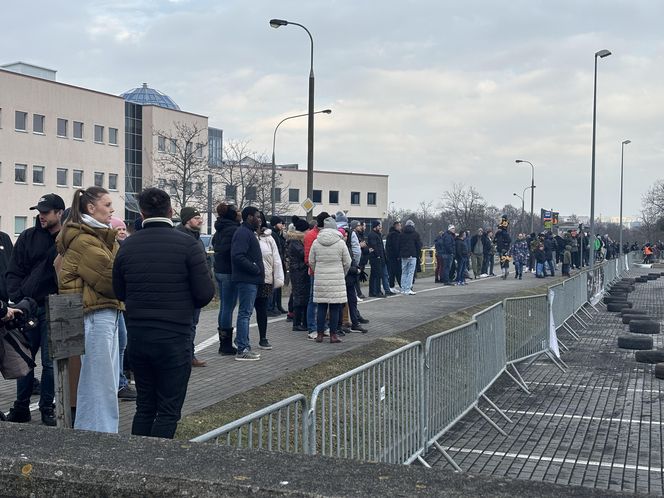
(117,223)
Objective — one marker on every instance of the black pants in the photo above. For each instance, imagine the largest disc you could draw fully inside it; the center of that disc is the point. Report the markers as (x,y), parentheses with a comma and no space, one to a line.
(376,276)
(353,312)
(300,316)
(260,305)
(394,271)
(161,371)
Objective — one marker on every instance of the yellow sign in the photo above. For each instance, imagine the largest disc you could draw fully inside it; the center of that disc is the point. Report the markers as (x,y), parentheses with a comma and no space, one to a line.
(308,204)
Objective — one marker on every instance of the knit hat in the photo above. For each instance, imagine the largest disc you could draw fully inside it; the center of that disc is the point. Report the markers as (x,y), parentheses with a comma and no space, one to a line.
(377,224)
(354,224)
(188,213)
(410,223)
(342,221)
(300,224)
(330,223)
(117,223)
(320,219)
(275,220)
(450,228)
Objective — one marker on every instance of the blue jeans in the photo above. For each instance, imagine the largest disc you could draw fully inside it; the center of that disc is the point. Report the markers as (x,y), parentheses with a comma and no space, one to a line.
(461,270)
(519,267)
(407,273)
(550,264)
(386,278)
(227,300)
(246,296)
(97,395)
(311,307)
(447,266)
(38,338)
(122,340)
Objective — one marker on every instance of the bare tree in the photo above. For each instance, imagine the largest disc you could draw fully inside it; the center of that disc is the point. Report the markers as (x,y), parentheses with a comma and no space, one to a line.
(652,212)
(463,207)
(182,167)
(245,178)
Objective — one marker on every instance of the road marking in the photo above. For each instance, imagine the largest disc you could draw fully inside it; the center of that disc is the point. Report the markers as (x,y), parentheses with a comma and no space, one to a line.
(573,461)
(584,417)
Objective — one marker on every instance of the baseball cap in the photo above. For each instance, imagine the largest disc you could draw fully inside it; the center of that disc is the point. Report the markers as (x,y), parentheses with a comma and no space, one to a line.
(49,202)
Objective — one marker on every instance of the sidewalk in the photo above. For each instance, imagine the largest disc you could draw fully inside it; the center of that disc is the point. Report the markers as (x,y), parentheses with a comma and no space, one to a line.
(224,377)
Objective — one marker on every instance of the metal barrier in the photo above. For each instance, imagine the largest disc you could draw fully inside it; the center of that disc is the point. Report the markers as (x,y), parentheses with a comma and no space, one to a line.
(374,412)
(491,345)
(278,427)
(527,327)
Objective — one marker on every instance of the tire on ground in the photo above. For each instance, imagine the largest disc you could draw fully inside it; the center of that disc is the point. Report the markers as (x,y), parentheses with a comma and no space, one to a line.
(627,280)
(633,311)
(627,318)
(652,276)
(652,356)
(641,279)
(641,342)
(644,327)
(659,370)
(613,299)
(619,306)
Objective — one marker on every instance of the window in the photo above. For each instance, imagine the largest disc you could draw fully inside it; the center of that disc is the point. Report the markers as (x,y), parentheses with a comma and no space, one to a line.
(99,134)
(19,224)
(161,144)
(62,127)
(38,175)
(173,146)
(371,198)
(20,173)
(21,121)
(112,181)
(334,197)
(250,193)
(355,198)
(78,130)
(199,151)
(317,196)
(99,179)
(293,195)
(77,178)
(189,148)
(277,194)
(61,177)
(38,123)
(113,136)
(161,183)
(231,192)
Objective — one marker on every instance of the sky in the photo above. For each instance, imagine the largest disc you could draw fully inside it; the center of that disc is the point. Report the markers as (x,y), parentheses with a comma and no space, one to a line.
(431,92)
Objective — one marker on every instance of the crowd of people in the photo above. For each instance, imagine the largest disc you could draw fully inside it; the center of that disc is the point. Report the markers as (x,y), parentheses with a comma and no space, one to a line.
(143,286)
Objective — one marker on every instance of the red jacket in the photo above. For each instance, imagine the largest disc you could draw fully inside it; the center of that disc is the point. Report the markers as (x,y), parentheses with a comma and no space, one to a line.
(309,237)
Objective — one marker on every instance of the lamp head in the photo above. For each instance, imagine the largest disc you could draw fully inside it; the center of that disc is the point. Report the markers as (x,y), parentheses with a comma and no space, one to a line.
(275,23)
(602,53)
(327,111)
(625,142)
(519,161)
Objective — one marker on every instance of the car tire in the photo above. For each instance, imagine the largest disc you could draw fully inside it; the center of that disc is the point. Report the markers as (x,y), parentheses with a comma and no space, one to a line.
(652,356)
(659,370)
(640,342)
(618,307)
(644,327)
(627,318)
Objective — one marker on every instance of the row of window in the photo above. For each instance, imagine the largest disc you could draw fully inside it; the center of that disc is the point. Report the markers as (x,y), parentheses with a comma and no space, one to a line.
(63,129)
(170,145)
(251,193)
(61,176)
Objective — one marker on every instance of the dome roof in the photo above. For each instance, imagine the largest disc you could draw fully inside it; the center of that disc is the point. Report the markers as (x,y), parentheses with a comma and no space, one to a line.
(149,96)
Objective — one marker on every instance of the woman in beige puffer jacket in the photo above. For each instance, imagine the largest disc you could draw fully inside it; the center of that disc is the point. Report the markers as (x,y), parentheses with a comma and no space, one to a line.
(330,261)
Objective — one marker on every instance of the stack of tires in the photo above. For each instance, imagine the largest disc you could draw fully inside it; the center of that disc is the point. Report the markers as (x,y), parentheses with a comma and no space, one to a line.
(616,298)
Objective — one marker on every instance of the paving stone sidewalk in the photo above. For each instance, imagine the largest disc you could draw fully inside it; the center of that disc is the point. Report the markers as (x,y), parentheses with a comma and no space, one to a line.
(224,377)
(598,425)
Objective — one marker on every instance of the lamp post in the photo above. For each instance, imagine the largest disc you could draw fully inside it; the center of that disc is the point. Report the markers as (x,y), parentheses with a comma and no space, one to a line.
(532,194)
(274,141)
(622,157)
(591,260)
(523,212)
(276,23)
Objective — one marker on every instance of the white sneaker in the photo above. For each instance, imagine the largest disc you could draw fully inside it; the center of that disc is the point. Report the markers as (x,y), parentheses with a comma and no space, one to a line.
(411,292)
(326,333)
(483,275)
(359,300)
(312,335)
(394,289)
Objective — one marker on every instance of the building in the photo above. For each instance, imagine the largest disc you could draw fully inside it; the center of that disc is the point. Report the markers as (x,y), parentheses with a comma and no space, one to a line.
(56,137)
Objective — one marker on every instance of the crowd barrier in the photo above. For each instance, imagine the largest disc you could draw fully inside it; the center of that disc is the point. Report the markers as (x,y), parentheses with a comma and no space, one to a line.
(396,408)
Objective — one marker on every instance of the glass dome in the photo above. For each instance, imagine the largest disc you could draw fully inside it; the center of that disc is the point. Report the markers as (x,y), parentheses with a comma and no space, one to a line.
(149,96)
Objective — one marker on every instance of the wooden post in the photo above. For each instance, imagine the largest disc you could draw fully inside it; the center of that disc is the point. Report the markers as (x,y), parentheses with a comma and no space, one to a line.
(66,337)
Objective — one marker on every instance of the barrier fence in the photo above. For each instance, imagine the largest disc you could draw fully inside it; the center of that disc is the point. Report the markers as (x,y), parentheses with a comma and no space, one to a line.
(395,408)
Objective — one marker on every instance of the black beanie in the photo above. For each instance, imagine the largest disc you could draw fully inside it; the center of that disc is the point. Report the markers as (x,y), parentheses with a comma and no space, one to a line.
(300,224)
(275,220)
(320,219)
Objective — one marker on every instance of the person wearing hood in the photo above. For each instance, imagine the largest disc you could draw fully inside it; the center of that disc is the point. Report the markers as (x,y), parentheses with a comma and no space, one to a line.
(519,253)
(410,247)
(309,238)
(274,279)
(299,273)
(88,246)
(275,305)
(191,222)
(225,225)
(330,260)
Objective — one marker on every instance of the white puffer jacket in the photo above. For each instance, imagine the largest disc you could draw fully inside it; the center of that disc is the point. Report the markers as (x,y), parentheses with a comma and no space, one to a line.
(274,270)
(330,261)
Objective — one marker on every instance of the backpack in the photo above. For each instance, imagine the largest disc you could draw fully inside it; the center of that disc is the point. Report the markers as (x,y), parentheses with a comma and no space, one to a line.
(15,357)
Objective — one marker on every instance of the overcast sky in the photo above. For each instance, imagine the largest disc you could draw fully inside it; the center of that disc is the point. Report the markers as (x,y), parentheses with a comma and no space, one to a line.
(431,92)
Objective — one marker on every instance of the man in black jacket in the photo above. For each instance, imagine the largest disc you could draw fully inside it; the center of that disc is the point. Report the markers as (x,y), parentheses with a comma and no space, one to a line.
(31,274)
(191,222)
(6,247)
(248,274)
(377,260)
(162,276)
(392,255)
(410,247)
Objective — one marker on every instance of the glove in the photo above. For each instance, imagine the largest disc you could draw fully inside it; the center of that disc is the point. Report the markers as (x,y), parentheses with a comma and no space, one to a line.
(363,276)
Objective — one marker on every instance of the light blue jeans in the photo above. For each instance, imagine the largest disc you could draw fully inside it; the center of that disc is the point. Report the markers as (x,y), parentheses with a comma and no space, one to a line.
(246,294)
(97,403)
(407,273)
(122,340)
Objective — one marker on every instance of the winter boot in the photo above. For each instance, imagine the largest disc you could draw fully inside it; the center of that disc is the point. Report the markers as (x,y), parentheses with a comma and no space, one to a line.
(333,338)
(319,337)
(226,342)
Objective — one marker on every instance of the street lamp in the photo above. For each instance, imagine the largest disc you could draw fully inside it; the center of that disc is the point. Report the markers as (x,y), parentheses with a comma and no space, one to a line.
(591,260)
(532,194)
(522,197)
(276,23)
(274,141)
(622,156)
